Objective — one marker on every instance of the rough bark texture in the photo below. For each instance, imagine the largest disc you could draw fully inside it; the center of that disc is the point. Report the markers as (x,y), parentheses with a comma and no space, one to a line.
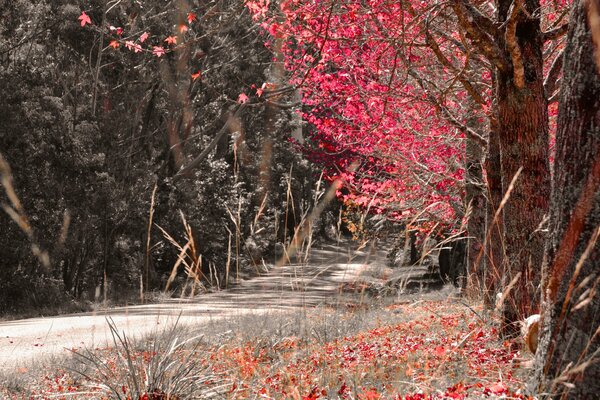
(523,133)
(494,249)
(570,336)
(475,199)
(452,260)
(415,255)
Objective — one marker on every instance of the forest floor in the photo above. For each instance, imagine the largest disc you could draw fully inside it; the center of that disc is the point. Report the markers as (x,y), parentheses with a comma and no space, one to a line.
(300,332)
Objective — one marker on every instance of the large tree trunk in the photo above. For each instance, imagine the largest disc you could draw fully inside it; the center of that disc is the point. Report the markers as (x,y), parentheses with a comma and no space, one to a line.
(567,362)
(523,133)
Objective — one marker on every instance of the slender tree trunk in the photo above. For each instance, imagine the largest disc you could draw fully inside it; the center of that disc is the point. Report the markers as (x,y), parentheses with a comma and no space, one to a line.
(523,134)
(476,211)
(494,249)
(567,362)
(174,142)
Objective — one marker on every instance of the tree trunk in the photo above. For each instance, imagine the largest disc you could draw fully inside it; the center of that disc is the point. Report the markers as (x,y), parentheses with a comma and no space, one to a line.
(567,360)
(494,249)
(452,260)
(476,211)
(523,133)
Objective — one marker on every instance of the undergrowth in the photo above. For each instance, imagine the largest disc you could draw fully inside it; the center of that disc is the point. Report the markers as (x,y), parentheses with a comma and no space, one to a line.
(427,348)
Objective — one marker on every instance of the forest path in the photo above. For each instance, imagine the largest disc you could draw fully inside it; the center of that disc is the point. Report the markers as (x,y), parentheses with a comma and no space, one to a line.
(316,282)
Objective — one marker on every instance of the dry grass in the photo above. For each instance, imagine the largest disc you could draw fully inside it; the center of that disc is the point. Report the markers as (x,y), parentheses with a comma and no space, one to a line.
(422,346)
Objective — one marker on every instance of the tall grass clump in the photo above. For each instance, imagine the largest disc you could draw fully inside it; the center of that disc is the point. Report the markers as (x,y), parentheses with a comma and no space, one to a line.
(170,366)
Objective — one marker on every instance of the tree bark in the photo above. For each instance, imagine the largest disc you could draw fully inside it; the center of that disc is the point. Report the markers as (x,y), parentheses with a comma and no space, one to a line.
(494,249)
(567,360)
(476,211)
(523,134)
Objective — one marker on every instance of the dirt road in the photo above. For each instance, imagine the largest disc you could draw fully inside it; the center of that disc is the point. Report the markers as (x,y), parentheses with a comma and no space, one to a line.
(283,288)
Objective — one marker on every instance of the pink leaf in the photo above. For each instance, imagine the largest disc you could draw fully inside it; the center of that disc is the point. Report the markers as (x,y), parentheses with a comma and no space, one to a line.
(242,98)
(191,17)
(158,51)
(133,46)
(143,37)
(84,18)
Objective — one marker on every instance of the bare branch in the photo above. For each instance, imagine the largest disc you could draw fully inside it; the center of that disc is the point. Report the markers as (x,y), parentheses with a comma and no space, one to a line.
(447,114)
(481,20)
(184,172)
(479,35)
(555,33)
(445,62)
(551,81)
(284,106)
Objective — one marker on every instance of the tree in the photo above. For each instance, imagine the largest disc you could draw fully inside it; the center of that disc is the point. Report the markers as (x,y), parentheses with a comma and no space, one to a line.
(567,360)
(104,102)
(377,75)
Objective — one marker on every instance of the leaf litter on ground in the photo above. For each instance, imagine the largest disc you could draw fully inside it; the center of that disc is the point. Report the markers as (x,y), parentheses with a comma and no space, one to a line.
(409,350)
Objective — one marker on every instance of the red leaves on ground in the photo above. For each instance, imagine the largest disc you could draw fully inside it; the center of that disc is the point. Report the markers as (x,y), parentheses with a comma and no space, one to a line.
(453,355)
(419,351)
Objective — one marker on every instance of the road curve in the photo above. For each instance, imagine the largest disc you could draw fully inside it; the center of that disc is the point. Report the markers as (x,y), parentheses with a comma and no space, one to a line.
(283,288)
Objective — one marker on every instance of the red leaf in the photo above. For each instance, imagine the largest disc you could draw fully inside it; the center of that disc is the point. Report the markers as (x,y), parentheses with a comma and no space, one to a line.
(242,98)
(158,51)
(496,388)
(133,46)
(439,351)
(171,40)
(183,28)
(84,18)
(118,31)
(191,17)
(114,44)
(196,76)
(370,395)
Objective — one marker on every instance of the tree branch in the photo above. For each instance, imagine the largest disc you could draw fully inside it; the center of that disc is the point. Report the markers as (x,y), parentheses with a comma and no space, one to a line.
(445,62)
(513,45)
(555,33)
(447,114)
(551,81)
(476,27)
(183,172)
(481,20)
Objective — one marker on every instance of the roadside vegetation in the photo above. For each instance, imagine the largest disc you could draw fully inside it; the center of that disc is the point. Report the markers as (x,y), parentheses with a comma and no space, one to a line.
(417,346)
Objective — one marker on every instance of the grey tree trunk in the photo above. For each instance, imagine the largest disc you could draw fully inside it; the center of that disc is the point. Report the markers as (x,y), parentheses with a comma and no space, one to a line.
(494,249)
(476,210)
(567,363)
